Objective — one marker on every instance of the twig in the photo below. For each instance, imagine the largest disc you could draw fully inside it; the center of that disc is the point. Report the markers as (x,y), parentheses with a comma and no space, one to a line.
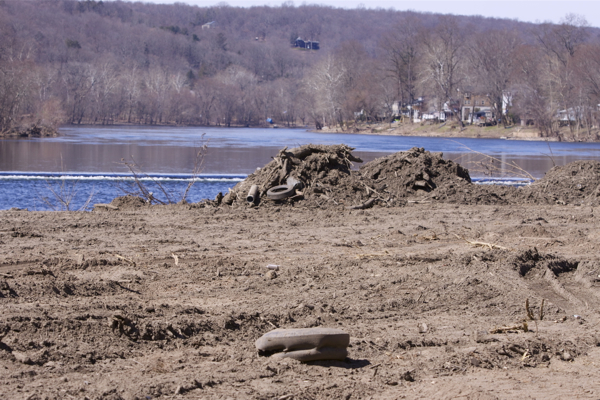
(198,163)
(489,168)
(529,312)
(432,237)
(523,327)
(269,322)
(551,153)
(483,244)
(125,259)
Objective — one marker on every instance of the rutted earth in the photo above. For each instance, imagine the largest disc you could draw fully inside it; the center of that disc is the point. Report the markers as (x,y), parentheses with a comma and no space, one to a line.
(150,302)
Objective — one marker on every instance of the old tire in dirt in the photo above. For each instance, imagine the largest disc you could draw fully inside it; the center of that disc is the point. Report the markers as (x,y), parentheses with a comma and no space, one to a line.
(280,192)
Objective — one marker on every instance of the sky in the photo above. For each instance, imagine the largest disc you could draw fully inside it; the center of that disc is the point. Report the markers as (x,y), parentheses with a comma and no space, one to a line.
(526,11)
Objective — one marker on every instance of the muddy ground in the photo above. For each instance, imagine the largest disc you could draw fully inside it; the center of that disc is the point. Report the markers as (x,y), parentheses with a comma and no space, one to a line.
(447,289)
(166,302)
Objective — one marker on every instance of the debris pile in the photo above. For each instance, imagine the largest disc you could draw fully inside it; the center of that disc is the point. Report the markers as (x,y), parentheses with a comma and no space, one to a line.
(321,176)
(304,167)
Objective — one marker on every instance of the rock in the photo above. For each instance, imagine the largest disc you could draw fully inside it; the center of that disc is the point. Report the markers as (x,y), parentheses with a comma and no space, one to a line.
(271,274)
(407,376)
(423,328)
(21,357)
(79,259)
(566,356)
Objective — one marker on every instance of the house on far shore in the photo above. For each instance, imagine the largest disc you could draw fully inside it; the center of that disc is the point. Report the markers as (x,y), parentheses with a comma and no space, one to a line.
(306,44)
(210,25)
(476,104)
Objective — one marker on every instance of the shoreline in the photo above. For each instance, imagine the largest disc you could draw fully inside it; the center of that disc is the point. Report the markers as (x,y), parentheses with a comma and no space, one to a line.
(377,129)
(452,131)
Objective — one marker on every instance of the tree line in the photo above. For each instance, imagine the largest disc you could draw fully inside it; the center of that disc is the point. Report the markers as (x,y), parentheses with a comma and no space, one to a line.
(95,62)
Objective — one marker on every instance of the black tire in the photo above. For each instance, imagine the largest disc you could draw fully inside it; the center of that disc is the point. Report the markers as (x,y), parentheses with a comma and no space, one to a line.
(280,192)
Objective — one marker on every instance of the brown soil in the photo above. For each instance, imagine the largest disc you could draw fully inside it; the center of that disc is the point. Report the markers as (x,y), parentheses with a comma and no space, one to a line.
(149,302)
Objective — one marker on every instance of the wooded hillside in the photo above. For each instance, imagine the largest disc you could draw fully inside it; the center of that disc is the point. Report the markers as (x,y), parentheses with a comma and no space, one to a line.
(65,61)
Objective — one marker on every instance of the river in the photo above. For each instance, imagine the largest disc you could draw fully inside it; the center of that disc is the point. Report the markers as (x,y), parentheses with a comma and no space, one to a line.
(88,160)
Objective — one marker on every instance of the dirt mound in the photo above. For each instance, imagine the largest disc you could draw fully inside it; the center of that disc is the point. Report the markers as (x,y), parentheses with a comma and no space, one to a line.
(415,169)
(575,183)
(417,172)
(309,165)
(128,202)
(325,179)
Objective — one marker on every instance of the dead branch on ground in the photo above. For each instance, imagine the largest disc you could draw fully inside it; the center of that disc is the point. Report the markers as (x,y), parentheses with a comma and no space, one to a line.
(483,244)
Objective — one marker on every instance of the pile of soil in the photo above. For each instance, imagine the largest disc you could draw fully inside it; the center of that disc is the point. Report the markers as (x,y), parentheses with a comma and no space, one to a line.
(128,202)
(327,181)
(575,183)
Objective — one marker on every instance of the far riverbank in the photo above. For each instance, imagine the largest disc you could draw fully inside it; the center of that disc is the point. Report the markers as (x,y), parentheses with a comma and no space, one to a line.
(452,129)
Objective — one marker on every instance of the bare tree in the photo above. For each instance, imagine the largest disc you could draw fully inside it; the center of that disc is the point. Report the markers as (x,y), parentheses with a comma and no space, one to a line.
(327,83)
(491,56)
(534,99)
(560,44)
(402,54)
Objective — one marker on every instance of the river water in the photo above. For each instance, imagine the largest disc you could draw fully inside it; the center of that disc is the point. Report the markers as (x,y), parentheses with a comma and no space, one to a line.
(88,161)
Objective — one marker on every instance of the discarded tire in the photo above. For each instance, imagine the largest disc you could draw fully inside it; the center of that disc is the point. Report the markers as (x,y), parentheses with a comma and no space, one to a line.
(309,344)
(280,192)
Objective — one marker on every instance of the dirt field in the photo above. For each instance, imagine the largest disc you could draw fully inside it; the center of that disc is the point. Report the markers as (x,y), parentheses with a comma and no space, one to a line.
(166,302)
